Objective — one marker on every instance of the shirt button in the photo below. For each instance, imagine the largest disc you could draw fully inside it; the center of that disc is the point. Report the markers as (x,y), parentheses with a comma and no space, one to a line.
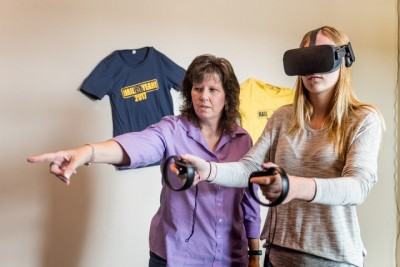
(218,236)
(220,220)
(219,204)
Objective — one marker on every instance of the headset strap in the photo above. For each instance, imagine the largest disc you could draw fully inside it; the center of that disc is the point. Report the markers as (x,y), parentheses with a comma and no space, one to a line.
(313,36)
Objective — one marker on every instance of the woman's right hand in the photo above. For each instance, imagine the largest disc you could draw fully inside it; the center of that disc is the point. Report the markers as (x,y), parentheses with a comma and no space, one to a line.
(63,164)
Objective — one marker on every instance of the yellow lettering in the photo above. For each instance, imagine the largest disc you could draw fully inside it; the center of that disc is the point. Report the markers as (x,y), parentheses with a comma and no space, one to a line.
(127,91)
(140,97)
(151,85)
(139,89)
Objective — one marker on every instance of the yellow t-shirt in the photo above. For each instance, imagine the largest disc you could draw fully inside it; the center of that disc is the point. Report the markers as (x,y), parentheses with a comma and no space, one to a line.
(258,100)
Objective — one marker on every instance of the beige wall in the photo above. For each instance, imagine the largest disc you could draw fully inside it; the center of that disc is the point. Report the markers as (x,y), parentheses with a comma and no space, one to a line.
(102,218)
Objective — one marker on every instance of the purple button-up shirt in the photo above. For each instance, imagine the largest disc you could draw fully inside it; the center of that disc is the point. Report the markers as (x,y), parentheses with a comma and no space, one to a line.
(225,217)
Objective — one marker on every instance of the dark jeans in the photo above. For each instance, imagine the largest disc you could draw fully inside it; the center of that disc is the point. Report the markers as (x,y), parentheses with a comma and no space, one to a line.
(156,261)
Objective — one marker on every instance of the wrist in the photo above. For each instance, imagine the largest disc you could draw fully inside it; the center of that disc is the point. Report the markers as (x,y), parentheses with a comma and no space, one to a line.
(212,173)
(302,188)
(209,172)
(91,155)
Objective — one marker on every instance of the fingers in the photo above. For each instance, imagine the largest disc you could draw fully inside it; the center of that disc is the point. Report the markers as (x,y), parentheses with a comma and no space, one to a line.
(59,171)
(193,160)
(62,164)
(46,157)
(202,166)
(174,168)
(267,165)
(188,158)
(270,186)
(196,179)
(269,193)
(269,179)
(266,180)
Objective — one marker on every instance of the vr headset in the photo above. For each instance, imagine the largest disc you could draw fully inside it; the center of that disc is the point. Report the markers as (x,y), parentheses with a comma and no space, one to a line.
(317,58)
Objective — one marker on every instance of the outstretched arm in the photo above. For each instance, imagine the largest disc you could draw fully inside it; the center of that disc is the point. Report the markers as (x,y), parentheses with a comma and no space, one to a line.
(64,163)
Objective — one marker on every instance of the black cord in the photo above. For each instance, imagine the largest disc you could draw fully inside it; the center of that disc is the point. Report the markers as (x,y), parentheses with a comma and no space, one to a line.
(271,235)
(194,214)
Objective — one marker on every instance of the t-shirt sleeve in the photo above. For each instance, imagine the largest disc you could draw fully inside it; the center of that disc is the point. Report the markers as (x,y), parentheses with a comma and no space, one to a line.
(175,73)
(99,82)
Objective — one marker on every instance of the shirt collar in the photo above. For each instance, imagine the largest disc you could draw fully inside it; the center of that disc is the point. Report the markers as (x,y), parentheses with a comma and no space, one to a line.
(195,132)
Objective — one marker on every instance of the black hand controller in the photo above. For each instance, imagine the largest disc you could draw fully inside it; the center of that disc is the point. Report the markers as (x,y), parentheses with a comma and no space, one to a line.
(183,168)
(268,172)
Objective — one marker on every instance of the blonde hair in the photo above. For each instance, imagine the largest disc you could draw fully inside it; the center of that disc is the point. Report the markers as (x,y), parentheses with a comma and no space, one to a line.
(344,101)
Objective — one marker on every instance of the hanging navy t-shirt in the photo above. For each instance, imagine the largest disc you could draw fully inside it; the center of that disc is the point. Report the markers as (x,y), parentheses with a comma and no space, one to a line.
(138,82)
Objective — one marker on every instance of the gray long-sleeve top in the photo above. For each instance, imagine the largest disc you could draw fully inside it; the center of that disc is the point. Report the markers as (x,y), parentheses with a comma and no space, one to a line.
(328,226)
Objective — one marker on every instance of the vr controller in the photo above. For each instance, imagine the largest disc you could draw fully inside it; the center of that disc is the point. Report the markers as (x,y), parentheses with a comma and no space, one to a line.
(268,172)
(190,172)
(183,168)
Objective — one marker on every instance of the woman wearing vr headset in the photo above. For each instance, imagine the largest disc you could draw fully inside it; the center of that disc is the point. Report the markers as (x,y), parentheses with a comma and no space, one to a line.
(327,141)
(207,225)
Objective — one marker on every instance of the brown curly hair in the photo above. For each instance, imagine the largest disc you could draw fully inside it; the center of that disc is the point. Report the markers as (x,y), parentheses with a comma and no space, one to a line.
(201,67)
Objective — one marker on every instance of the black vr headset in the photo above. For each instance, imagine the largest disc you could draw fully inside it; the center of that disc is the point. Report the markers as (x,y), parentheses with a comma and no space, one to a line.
(316,58)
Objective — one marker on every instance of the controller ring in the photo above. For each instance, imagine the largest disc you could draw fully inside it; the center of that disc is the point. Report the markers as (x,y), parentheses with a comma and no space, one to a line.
(267,172)
(189,170)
